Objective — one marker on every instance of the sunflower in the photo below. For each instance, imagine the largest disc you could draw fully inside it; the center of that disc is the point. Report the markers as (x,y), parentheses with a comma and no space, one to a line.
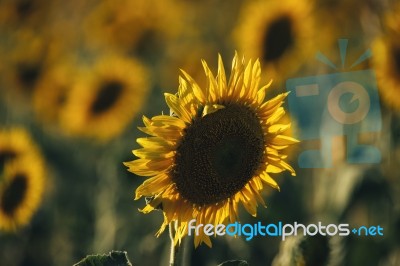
(26,62)
(22,13)
(217,149)
(51,90)
(105,98)
(386,61)
(20,193)
(15,144)
(194,48)
(21,178)
(277,32)
(133,25)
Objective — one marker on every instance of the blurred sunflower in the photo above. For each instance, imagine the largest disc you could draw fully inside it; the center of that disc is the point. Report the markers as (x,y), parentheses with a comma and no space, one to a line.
(195,48)
(21,178)
(26,61)
(51,90)
(133,25)
(106,98)
(15,144)
(20,193)
(280,33)
(26,13)
(216,149)
(386,61)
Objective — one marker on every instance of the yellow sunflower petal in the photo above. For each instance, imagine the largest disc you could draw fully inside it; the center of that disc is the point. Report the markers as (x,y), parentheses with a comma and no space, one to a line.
(212,86)
(211,108)
(221,78)
(248,203)
(283,140)
(197,91)
(152,186)
(267,179)
(261,93)
(175,105)
(273,103)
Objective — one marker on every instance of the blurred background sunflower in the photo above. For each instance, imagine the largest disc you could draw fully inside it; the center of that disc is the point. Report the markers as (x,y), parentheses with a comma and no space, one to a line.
(22,178)
(280,33)
(26,61)
(105,98)
(387,60)
(77,76)
(20,194)
(52,90)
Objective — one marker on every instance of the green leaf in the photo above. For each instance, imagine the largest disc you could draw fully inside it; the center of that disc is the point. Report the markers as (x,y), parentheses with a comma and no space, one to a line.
(114,258)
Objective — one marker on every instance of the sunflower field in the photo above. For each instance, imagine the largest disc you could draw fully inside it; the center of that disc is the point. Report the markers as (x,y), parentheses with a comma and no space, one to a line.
(184,132)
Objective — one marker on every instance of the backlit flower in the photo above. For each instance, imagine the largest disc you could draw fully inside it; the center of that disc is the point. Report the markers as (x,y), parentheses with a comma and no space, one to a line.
(216,150)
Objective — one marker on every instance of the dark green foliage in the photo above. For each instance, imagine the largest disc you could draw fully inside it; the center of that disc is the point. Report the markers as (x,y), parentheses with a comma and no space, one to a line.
(114,258)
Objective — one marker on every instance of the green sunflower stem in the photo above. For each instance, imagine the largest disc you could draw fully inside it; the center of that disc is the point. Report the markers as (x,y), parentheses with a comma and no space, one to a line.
(177,251)
(173,256)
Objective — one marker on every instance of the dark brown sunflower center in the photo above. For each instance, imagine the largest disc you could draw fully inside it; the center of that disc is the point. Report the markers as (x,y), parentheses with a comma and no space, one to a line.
(218,155)
(147,43)
(278,38)
(396,59)
(61,98)
(5,156)
(107,96)
(28,74)
(13,194)
(24,8)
